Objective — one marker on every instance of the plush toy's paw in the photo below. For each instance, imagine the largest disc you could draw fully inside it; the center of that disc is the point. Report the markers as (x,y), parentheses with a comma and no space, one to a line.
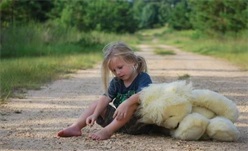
(192,127)
(203,111)
(215,102)
(222,129)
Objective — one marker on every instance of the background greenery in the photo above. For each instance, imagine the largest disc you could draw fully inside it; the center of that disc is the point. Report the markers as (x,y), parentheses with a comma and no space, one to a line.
(41,39)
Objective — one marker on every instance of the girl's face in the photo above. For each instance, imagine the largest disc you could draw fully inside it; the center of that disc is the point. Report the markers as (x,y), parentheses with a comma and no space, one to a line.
(122,70)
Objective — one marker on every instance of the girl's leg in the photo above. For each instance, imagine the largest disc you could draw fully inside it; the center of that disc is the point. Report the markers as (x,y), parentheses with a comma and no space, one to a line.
(75,128)
(109,130)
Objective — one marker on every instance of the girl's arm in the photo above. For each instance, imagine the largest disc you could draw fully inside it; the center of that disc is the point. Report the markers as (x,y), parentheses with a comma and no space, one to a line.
(124,107)
(101,105)
(133,100)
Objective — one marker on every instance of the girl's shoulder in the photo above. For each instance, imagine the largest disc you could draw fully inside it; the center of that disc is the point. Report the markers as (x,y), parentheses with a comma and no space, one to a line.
(144,75)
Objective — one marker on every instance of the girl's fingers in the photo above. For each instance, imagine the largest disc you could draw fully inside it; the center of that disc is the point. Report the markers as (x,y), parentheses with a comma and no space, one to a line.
(115,114)
(119,115)
(89,122)
(124,115)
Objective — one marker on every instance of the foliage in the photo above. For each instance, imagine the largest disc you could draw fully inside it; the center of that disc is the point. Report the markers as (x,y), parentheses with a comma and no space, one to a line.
(31,73)
(219,15)
(35,53)
(122,16)
(233,48)
(37,29)
(164,52)
(146,14)
(23,11)
(114,16)
(179,16)
(42,40)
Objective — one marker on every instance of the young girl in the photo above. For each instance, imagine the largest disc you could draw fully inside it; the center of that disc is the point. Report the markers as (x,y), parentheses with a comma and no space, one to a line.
(130,77)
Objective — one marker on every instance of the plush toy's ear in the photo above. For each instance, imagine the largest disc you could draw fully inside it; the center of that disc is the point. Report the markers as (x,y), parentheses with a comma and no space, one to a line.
(192,127)
(222,129)
(150,94)
(215,102)
(203,111)
(180,88)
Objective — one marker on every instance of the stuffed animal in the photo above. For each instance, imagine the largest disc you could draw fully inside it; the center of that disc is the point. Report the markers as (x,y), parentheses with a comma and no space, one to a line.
(189,114)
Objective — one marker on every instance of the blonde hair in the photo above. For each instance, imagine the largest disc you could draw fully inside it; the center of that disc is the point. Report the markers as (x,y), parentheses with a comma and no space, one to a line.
(120,49)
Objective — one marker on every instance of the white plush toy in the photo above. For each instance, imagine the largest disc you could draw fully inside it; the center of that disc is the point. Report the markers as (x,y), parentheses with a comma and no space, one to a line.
(189,114)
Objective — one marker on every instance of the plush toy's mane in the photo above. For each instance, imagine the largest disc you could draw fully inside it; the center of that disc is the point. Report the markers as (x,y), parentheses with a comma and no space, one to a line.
(160,103)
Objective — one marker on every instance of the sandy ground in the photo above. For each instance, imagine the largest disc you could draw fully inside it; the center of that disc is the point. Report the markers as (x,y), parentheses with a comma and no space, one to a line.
(31,123)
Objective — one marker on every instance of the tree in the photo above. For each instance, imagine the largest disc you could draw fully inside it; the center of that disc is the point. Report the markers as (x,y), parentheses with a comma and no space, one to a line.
(179,16)
(16,11)
(148,13)
(113,16)
(219,15)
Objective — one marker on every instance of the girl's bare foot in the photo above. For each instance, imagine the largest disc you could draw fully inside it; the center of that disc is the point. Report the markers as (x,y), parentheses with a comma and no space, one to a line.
(70,131)
(103,134)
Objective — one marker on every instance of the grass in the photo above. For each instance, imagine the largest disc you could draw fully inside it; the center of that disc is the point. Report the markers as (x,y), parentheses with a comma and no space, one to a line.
(164,52)
(183,77)
(32,72)
(27,62)
(232,47)
(35,54)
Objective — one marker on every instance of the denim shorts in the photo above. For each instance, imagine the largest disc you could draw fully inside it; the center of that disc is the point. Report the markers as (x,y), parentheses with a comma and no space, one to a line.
(132,127)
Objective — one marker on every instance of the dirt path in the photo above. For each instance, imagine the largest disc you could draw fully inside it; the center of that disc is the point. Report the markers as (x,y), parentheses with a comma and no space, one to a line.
(32,123)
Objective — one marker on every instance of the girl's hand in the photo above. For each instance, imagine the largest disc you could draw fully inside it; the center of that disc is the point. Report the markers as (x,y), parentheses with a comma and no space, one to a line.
(90,121)
(121,111)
